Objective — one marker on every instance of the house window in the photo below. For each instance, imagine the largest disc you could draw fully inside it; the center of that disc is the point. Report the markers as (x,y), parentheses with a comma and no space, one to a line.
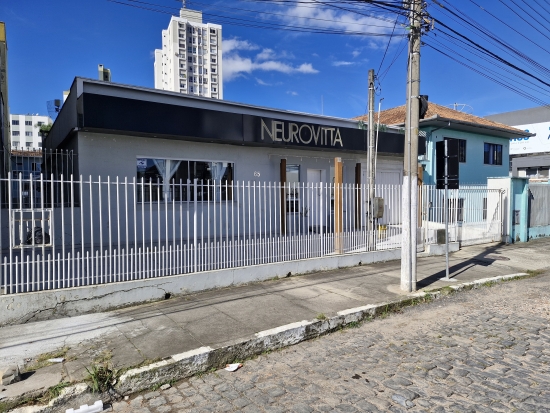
(173,180)
(28,123)
(461,149)
(15,133)
(28,133)
(15,122)
(15,143)
(28,144)
(40,123)
(492,154)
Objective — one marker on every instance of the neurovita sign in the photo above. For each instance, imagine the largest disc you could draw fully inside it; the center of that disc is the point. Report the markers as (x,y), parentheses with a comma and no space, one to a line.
(301,134)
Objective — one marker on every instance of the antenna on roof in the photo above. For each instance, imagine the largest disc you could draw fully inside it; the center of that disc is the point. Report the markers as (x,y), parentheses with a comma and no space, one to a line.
(183,4)
(461,107)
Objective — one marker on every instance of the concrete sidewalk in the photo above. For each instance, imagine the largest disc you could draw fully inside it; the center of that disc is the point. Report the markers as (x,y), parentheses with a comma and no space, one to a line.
(144,334)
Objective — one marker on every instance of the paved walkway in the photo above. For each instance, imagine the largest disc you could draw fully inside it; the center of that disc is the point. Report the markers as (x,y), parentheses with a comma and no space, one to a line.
(141,334)
(483,351)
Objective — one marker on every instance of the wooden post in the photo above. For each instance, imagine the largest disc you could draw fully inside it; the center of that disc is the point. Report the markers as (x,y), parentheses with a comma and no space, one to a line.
(358,195)
(283,196)
(338,212)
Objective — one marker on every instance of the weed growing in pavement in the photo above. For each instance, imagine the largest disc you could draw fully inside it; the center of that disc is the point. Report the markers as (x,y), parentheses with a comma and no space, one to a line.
(101,377)
(532,273)
(42,359)
(321,316)
(44,398)
(54,392)
(447,290)
(353,324)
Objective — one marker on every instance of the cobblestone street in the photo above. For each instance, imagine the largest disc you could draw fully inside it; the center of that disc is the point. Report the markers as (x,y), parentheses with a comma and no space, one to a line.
(479,351)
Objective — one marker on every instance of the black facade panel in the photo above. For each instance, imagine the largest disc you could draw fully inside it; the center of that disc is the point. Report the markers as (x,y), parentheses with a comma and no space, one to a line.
(145,117)
(111,113)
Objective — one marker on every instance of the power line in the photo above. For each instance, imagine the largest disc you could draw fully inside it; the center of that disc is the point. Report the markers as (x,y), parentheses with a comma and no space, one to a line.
(529,24)
(273,26)
(388,45)
(505,85)
(382,76)
(491,53)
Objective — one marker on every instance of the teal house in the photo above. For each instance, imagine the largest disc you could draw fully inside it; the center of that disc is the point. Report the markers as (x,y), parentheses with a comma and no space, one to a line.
(484,145)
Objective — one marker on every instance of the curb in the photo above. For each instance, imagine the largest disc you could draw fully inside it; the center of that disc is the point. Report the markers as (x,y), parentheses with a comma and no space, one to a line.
(187,364)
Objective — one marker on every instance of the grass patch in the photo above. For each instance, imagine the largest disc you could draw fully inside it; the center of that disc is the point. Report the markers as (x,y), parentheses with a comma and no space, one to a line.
(42,360)
(446,290)
(321,316)
(533,273)
(101,377)
(44,398)
(353,324)
(53,392)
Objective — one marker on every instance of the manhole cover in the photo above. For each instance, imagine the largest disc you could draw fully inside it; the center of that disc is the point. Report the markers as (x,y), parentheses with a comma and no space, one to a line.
(496,257)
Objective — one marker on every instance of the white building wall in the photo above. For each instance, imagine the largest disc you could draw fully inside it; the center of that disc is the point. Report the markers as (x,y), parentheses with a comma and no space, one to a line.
(24,133)
(190,59)
(532,144)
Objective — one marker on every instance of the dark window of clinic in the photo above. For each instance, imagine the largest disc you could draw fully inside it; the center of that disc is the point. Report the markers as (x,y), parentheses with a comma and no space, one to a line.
(492,154)
(172,180)
(461,148)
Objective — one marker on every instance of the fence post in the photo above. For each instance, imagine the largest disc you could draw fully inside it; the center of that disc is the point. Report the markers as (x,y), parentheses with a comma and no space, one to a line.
(338,213)
(195,206)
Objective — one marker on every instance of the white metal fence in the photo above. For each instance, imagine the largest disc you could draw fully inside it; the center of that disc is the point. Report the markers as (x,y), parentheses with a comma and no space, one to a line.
(474,214)
(66,233)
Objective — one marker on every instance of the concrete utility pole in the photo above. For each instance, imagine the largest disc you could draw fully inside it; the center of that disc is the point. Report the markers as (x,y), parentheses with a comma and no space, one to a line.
(410,170)
(371,153)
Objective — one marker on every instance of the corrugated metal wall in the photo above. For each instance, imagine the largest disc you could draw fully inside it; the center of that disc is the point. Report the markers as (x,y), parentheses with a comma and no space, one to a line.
(539,205)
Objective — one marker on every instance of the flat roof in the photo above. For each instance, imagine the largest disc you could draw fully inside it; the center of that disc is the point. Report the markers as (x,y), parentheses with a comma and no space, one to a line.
(164,96)
(105,107)
(523,117)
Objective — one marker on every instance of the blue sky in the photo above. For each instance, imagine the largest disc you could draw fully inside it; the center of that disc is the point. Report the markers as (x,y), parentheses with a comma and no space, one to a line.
(49,43)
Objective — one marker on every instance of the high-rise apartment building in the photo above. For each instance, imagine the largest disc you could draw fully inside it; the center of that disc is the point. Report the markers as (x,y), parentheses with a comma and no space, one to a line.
(25,131)
(190,60)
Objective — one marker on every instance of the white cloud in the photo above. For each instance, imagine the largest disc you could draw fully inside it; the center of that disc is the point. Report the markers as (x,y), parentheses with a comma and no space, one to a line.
(356,53)
(265,54)
(261,82)
(292,93)
(236,44)
(235,65)
(312,13)
(341,63)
